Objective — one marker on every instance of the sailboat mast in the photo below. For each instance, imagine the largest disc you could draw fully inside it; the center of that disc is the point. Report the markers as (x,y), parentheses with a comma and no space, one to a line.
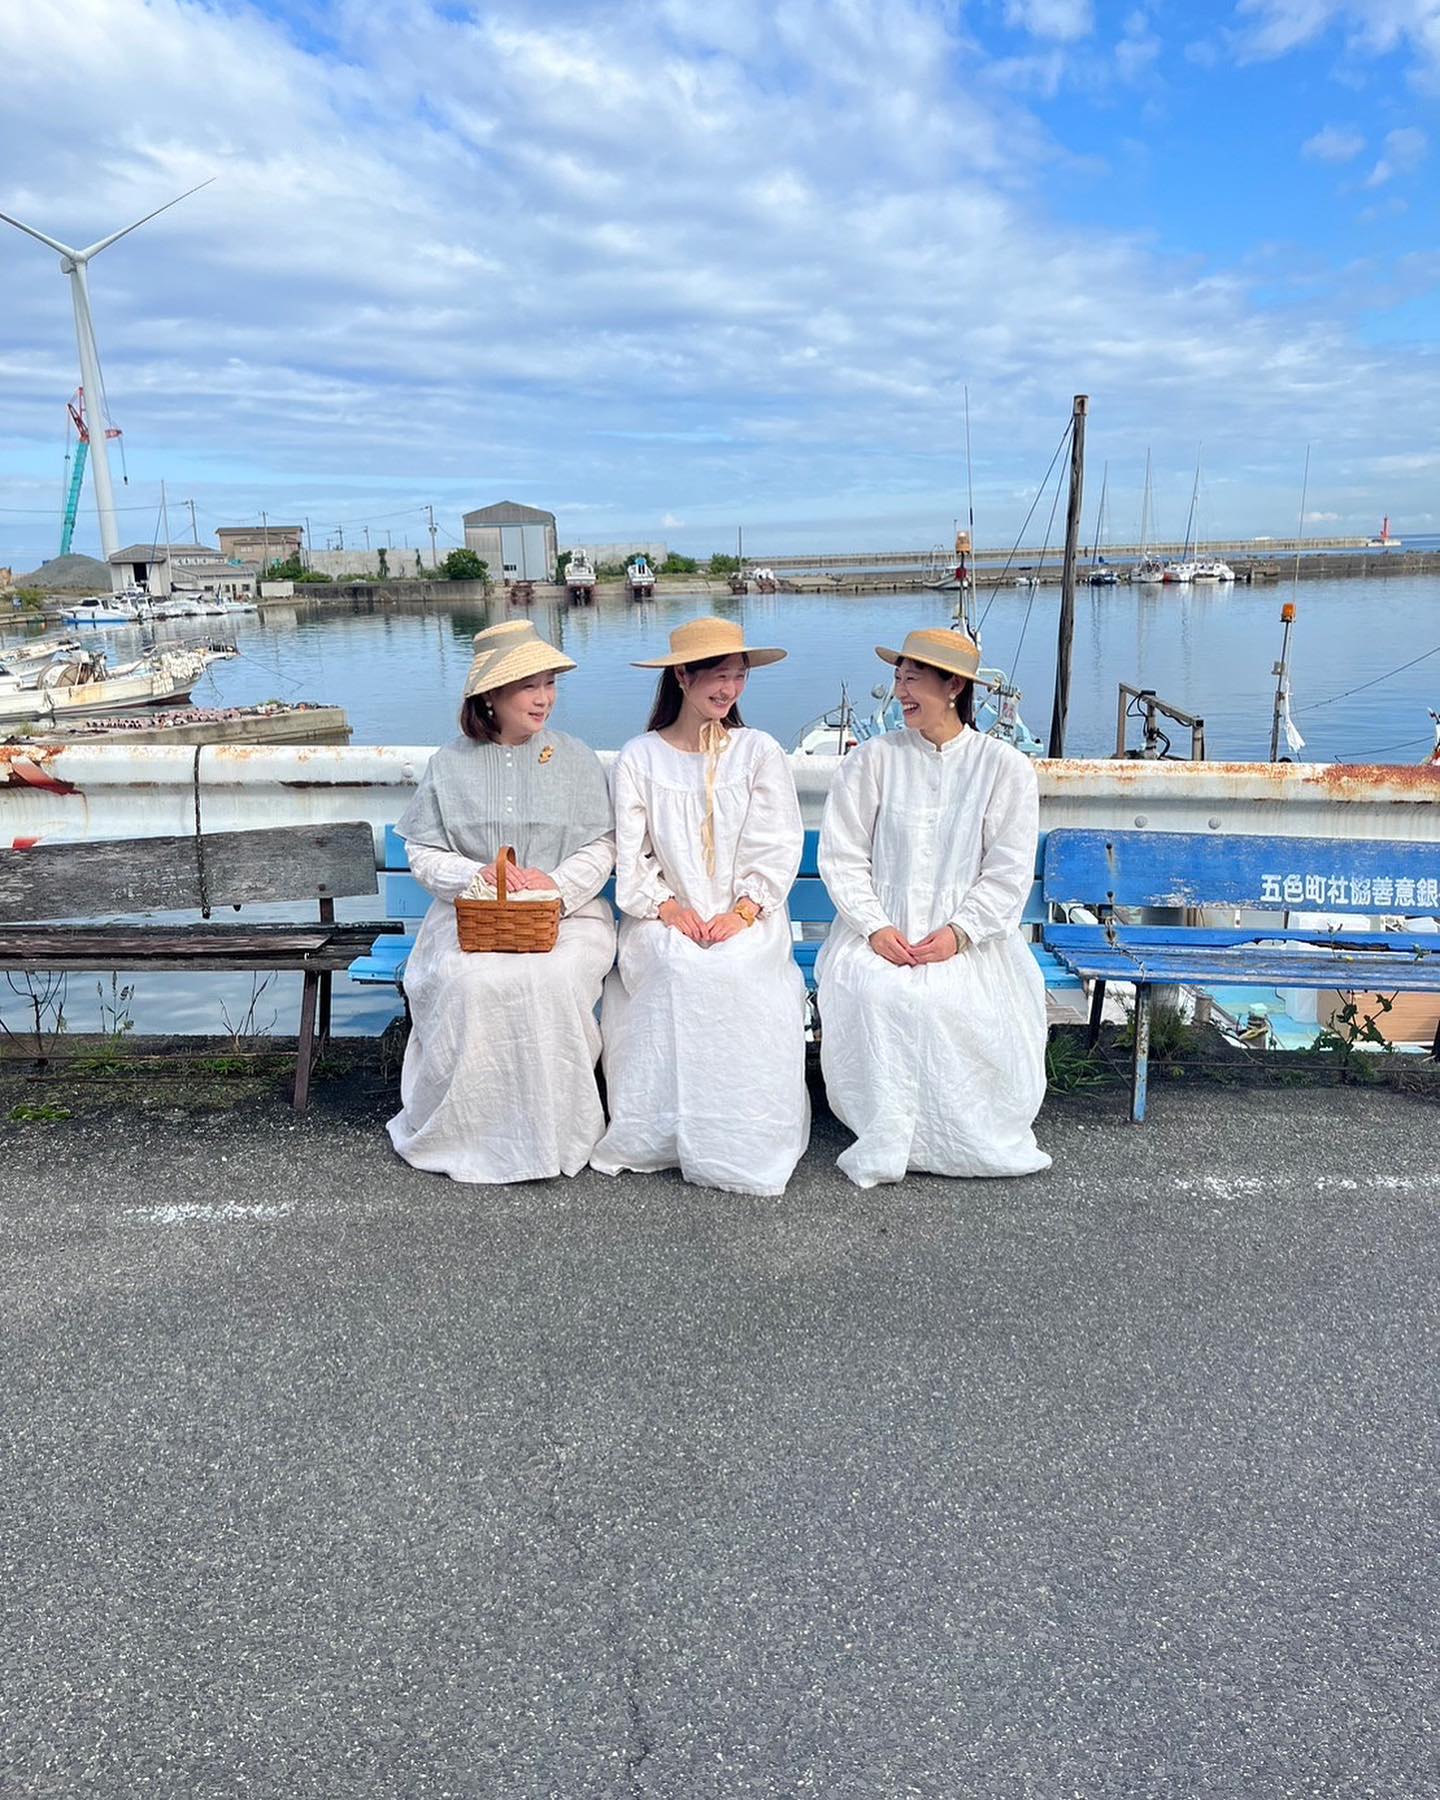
(1145,510)
(1190,522)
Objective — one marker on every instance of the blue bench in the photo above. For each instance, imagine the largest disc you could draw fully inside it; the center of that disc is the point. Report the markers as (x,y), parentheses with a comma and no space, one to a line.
(812,911)
(1175,870)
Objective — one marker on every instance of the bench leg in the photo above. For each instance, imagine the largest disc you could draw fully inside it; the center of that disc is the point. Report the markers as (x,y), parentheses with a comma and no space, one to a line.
(1097,1008)
(322,1034)
(305,1049)
(1140,1075)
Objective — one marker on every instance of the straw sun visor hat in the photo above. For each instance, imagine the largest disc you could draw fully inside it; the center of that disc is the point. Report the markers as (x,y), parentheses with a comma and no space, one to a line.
(951,652)
(510,652)
(701,639)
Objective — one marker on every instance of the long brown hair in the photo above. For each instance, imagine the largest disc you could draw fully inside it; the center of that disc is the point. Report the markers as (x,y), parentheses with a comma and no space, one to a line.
(669,695)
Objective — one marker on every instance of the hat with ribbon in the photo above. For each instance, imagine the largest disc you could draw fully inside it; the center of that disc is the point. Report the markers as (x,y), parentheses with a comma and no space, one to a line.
(701,639)
(951,652)
(510,652)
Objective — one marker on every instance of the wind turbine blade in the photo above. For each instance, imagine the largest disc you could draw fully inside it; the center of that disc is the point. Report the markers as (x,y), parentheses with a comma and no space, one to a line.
(53,243)
(105,242)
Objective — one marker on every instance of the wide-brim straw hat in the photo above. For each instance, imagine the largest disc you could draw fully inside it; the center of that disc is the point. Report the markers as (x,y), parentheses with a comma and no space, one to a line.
(510,652)
(703,638)
(951,652)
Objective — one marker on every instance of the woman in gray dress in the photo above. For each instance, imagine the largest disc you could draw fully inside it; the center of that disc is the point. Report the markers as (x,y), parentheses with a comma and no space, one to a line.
(499,1077)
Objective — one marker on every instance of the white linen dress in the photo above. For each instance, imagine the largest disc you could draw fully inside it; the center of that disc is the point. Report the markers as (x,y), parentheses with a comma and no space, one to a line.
(705,1046)
(939,1067)
(498,1082)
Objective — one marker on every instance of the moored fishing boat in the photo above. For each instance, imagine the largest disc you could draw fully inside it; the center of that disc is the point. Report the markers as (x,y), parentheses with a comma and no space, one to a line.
(580,578)
(102,609)
(640,577)
(85,683)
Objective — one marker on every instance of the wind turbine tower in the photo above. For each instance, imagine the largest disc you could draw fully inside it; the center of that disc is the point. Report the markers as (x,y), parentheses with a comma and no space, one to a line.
(75,264)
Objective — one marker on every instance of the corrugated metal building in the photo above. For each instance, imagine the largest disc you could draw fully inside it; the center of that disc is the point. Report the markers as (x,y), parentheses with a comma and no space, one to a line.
(517,542)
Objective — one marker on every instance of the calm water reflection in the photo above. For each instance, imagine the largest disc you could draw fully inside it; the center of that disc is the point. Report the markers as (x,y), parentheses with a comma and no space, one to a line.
(398,669)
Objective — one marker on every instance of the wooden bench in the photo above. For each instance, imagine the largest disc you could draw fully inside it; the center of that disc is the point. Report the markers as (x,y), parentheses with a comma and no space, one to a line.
(1105,871)
(812,912)
(90,881)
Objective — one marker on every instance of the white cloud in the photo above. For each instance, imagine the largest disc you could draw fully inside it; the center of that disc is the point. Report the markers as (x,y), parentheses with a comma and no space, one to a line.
(1138,49)
(1404,151)
(1334,143)
(748,257)
(669,522)
(1065,21)
(1271,28)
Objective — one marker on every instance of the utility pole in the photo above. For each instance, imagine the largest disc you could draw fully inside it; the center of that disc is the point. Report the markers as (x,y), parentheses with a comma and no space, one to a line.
(1066,640)
(434,557)
(366,530)
(194,528)
(339,537)
(309,545)
(265,534)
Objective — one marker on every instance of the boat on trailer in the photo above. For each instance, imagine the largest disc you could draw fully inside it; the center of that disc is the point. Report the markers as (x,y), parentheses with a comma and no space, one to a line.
(640,578)
(580,579)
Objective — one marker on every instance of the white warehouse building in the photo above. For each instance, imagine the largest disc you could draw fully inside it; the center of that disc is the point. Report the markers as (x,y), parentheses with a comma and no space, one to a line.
(518,543)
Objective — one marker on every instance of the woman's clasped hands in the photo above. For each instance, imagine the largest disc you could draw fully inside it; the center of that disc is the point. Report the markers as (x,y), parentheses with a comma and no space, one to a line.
(689,923)
(938,947)
(518,878)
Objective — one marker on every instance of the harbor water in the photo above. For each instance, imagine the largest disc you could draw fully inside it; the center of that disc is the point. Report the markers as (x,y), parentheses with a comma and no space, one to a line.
(398,668)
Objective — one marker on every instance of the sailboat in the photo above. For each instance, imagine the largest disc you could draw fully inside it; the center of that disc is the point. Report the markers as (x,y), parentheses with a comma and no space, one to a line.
(1101,574)
(1149,569)
(1184,570)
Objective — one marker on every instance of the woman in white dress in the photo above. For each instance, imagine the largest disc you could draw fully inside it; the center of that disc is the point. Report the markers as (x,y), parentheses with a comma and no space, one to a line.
(932,1009)
(499,1081)
(705,1014)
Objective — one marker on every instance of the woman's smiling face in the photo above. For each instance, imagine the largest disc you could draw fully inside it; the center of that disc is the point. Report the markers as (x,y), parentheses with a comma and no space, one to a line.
(522,708)
(926,695)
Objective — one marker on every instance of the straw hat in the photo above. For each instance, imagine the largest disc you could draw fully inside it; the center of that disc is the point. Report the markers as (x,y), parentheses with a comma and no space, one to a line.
(949,651)
(703,638)
(510,652)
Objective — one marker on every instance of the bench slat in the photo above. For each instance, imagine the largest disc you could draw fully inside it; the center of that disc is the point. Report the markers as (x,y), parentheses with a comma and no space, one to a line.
(1243,966)
(162,874)
(1158,936)
(1164,868)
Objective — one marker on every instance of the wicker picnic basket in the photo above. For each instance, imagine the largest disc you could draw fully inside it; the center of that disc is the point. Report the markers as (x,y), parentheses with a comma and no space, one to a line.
(504,923)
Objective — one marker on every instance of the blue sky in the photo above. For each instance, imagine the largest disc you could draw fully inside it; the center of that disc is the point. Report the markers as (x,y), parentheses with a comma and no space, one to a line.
(673,267)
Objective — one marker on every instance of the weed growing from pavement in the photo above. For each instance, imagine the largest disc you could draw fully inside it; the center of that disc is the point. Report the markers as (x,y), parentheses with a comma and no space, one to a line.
(39,1112)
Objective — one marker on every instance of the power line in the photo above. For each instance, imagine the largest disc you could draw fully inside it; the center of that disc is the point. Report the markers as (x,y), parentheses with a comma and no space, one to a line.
(1424,656)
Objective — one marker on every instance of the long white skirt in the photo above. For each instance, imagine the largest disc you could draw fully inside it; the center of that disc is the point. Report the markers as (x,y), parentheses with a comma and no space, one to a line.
(499,1082)
(939,1068)
(705,1057)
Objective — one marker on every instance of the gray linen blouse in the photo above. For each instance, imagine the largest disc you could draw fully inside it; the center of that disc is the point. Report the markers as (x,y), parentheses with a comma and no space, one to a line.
(547,799)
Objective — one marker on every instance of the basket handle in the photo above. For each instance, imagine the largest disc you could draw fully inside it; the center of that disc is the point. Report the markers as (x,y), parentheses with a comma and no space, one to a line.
(505,859)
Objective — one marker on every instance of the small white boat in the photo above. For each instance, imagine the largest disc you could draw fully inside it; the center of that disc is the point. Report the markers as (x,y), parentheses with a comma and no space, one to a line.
(1149,571)
(997,714)
(765,582)
(21,665)
(85,683)
(176,607)
(1027,584)
(580,578)
(98,609)
(1213,570)
(640,578)
(1177,571)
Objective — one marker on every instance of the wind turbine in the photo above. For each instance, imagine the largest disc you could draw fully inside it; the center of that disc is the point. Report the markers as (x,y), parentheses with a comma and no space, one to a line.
(74,263)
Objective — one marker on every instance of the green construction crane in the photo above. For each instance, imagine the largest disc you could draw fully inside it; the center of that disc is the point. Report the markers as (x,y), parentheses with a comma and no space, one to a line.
(76,409)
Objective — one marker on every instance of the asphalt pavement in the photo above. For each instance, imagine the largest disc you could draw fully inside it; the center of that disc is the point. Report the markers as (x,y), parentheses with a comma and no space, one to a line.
(319,1476)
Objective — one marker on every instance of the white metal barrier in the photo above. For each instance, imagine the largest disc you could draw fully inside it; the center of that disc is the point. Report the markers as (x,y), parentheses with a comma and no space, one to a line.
(95,791)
